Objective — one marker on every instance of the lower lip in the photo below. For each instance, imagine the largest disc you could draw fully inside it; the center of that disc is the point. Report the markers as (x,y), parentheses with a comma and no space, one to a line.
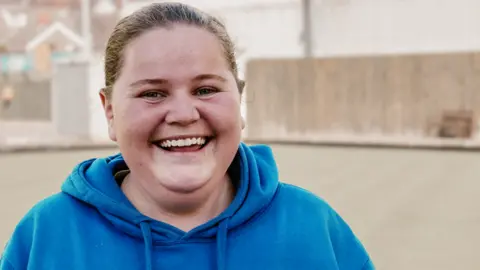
(186,149)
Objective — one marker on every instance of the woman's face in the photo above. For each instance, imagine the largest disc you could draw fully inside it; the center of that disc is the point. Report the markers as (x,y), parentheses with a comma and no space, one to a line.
(175,109)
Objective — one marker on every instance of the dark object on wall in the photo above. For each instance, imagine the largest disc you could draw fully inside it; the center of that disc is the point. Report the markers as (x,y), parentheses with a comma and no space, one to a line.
(456,124)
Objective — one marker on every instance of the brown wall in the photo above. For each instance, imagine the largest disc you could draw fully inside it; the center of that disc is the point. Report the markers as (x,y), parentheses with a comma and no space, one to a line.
(382,95)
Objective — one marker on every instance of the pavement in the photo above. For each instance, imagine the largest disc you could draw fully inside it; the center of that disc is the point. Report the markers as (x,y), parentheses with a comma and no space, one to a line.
(20,136)
(413,209)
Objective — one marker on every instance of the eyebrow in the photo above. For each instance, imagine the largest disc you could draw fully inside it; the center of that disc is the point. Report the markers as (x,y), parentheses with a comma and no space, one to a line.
(158,81)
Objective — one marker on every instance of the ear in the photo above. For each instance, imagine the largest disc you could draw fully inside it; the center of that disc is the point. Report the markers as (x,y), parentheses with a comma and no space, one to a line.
(108,109)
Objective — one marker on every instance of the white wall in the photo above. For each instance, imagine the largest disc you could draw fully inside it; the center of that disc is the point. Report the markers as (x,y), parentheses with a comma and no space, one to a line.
(272,28)
(97,121)
(70,114)
(261,28)
(344,27)
(77,111)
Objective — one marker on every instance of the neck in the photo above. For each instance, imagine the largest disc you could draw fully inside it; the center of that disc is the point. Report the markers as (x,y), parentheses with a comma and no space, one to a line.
(184,211)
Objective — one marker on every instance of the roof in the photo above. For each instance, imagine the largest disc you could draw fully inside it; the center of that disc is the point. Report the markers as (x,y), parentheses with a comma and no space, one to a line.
(50,31)
(23,25)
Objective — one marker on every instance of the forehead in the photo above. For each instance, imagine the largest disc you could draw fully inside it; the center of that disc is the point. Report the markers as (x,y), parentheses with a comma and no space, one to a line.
(180,49)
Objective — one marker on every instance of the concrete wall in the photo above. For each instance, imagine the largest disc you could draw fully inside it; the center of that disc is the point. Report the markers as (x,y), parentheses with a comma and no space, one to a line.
(404,96)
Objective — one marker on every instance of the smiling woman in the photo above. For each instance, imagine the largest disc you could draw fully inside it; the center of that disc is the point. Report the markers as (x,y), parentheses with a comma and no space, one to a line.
(165,94)
(184,192)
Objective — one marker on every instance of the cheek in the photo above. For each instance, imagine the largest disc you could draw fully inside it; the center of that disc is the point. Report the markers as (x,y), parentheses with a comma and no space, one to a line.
(135,119)
(223,113)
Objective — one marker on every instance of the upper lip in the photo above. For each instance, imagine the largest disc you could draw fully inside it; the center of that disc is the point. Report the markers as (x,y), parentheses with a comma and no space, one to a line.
(181,137)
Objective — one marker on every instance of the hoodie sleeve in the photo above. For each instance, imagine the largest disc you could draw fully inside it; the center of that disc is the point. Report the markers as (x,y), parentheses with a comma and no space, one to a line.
(349,251)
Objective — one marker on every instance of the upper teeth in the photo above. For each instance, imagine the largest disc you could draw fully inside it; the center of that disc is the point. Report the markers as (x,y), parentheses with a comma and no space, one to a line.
(183,142)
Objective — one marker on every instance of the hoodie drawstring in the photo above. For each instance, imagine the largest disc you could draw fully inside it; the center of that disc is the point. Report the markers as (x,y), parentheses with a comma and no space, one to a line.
(222,245)
(147,239)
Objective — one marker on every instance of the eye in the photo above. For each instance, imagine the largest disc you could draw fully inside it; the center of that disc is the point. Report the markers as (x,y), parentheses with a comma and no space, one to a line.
(205,91)
(152,95)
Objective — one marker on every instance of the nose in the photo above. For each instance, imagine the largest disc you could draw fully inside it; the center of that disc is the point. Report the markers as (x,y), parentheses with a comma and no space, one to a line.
(182,111)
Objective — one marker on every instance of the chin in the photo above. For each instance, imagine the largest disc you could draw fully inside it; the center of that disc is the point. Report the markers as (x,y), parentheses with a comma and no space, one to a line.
(184,178)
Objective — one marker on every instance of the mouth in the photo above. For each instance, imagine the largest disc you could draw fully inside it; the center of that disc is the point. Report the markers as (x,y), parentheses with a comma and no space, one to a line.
(186,144)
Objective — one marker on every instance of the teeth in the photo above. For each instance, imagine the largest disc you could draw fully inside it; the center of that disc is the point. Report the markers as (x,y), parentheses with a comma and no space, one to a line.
(183,142)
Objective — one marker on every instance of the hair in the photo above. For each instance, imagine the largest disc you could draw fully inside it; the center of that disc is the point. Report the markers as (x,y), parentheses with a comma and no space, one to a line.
(162,15)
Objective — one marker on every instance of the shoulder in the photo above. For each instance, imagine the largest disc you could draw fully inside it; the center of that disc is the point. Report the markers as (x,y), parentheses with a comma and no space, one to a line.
(308,209)
(44,220)
(296,196)
(50,212)
(317,219)
(57,206)
(56,212)
(302,204)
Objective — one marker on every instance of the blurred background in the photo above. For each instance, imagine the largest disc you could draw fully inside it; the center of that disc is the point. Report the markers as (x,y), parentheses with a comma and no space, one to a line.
(373,105)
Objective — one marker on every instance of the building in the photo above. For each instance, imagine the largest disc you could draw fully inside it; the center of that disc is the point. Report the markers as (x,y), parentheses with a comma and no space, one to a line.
(35,32)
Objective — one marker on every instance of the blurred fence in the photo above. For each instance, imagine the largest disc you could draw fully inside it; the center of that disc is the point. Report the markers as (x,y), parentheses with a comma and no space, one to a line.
(386,96)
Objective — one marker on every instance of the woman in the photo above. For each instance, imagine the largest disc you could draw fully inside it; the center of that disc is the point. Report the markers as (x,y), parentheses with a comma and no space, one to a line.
(184,193)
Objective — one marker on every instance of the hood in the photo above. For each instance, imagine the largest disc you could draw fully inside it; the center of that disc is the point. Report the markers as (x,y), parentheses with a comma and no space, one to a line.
(92,182)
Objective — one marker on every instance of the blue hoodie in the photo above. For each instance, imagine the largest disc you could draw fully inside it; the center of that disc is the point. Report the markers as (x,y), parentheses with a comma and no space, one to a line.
(269,225)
